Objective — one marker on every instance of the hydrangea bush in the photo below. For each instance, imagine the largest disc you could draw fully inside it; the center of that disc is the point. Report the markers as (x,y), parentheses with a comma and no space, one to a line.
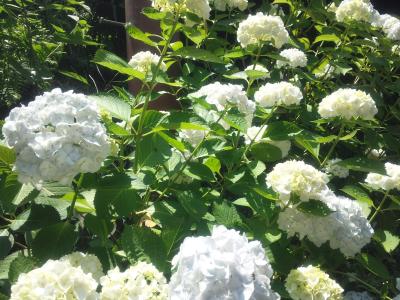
(278,178)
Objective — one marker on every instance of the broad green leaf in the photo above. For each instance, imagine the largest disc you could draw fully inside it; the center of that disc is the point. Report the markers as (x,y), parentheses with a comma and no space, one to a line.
(152,150)
(314,207)
(116,107)
(173,142)
(98,226)
(226,214)
(75,76)
(388,240)
(363,164)
(153,13)
(5,265)
(26,193)
(358,193)
(237,121)
(21,264)
(36,217)
(199,171)
(349,136)
(374,265)
(109,201)
(7,155)
(282,130)
(266,152)
(54,241)
(6,243)
(198,54)
(327,38)
(213,163)
(256,167)
(193,204)
(137,34)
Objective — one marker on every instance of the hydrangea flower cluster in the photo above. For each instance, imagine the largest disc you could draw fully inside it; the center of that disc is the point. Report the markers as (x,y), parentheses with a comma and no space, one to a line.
(358,10)
(299,178)
(333,168)
(295,57)
(224,5)
(255,134)
(390,25)
(310,283)
(144,60)
(224,265)
(142,281)
(56,137)
(260,28)
(357,296)
(348,104)
(200,8)
(345,228)
(281,93)
(193,137)
(55,280)
(387,182)
(89,263)
(225,95)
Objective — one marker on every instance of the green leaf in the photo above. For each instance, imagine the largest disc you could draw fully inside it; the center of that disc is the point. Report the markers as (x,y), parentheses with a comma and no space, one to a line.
(213,163)
(152,150)
(135,33)
(193,204)
(199,171)
(5,265)
(113,62)
(173,142)
(54,241)
(226,214)
(7,155)
(115,106)
(98,226)
(349,136)
(75,76)
(237,121)
(198,54)
(374,265)
(327,38)
(266,152)
(282,130)
(314,207)
(36,217)
(153,13)
(363,164)
(358,193)
(21,264)
(141,243)
(256,167)
(388,241)
(6,243)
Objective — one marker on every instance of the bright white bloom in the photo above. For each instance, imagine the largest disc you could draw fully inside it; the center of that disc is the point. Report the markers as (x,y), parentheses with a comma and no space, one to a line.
(376,153)
(225,95)
(296,57)
(389,25)
(56,137)
(260,28)
(199,7)
(55,280)
(89,263)
(193,137)
(223,5)
(345,228)
(357,296)
(348,103)
(326,73)
(387,182)
(259,68)
(311,283)
(298,178)
(142,281)
(281,93)
(336,170)
(222,266)
(144,60)
(358,10)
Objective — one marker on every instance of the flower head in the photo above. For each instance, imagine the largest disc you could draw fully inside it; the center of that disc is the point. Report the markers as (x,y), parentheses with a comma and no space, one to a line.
(89,263)
(387,182)
(358,10)
(200,8)
(223,5)
(295,57)
(281,93)
(144,60)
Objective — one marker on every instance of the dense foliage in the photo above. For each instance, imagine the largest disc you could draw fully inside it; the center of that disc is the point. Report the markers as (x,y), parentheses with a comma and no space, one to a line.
(288,134)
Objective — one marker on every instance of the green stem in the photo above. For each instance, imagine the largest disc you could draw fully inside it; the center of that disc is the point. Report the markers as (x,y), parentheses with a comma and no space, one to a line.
(336,141)
(379,207)
(76,193)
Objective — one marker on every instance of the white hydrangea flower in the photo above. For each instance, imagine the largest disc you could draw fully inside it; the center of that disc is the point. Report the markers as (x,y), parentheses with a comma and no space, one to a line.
(260,28)
(357,296)
(200,8)
(225,95)
(142,281)
(376,154)
(345,228)
(387,182)
(311,283)
(222,266)
(326,73)
(281,93)
(55,280)
(224,5)
(296,57)
(348,103)
(358,10)
(193,137)
(89,263)
(56,137)
(144,60)
(298,178)
(389,25)
(259,68)
(333,168)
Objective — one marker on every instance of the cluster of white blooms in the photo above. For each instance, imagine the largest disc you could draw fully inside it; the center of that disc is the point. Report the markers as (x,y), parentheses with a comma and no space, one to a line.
(258,68)
(389,25)
(56,137)
(298,178)
(358,10)
(357,296)
(333,168)
(199,7)
(55,280)
(376,153)
(225,95)
(223,5)
(222,266)
(255,134)
(387,182)
(260,28)
(144,60)
(345,228)
(327,72)
(281,93)
(142,281)
(89,263)
(311,283)
(295,57)
(193,137)
(348,103)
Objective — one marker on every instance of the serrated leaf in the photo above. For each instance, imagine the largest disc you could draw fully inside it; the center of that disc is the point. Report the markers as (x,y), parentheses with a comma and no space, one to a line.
(226,214)
(237,121)
(314,207)
(115,106)
(282,130)
(374,265)
(36,217)
(388,240)
(266,152)
(199,171)
(363,164)
(193,204)
(6,243)
(75,76)
(21,264)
